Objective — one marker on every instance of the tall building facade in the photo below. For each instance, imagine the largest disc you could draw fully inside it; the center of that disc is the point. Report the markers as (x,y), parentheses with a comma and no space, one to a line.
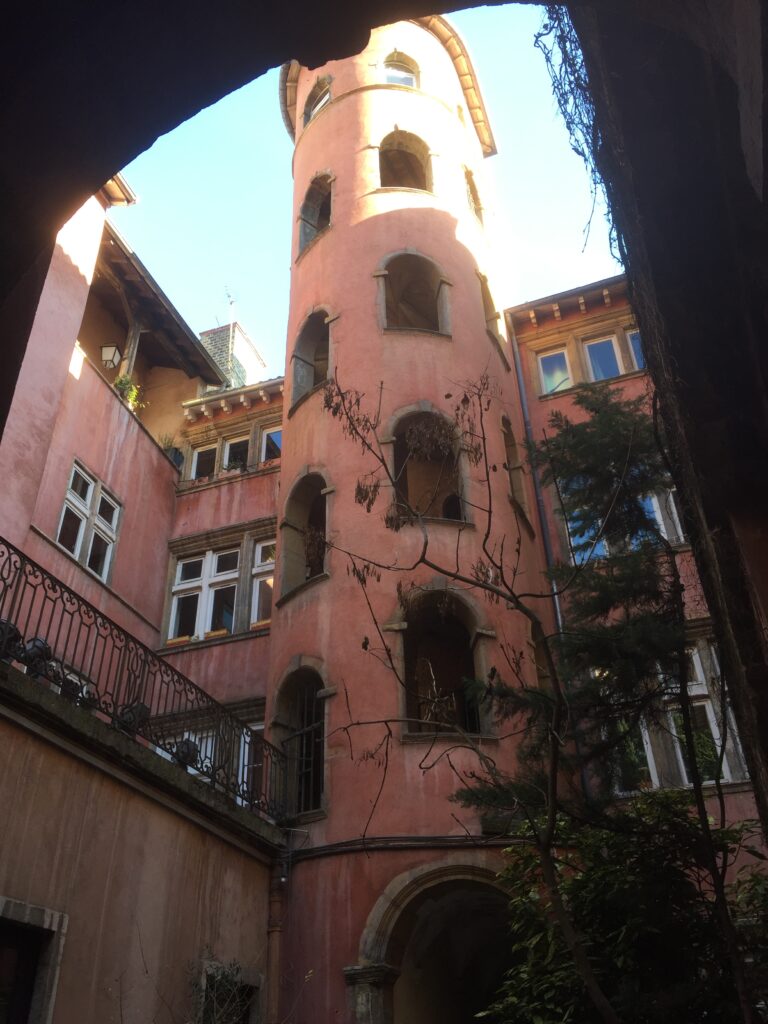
(236,629)
(391,299)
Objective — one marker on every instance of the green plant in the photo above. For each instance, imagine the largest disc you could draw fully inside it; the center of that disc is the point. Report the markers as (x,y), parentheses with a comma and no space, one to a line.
(219,994)
(130,392)
(166,440)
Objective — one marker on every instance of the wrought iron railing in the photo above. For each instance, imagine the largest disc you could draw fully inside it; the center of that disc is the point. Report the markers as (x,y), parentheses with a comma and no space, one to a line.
(64,642)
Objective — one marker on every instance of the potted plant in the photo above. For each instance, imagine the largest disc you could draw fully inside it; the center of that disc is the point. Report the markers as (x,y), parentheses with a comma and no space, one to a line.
(130,392)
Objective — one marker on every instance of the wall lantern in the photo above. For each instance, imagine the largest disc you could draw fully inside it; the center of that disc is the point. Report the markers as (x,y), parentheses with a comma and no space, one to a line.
(110,357)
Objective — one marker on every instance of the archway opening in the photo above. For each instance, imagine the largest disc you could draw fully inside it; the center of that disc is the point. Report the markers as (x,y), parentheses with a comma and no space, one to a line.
(450,944)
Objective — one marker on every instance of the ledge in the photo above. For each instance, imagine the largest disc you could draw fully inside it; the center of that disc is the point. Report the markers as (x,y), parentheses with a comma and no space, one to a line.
(226,477)
(252,633)
(432,737)
(418,330)
(307,394)
(83,735)
(311,243)
(301,588)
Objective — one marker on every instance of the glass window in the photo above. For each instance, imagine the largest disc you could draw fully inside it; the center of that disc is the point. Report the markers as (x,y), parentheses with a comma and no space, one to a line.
(636,346)
(396,73)
(227,561)
(603,359)
(706,741)
(555,375)
(191,569)
(236,454)
(223,609)
(263,580)
(98,557)
(203,463)
(318,98)
(583,545)
(271,445)
(185,619)
(107,511)
(69,530)
(633,764)
(81,485)
(87,528)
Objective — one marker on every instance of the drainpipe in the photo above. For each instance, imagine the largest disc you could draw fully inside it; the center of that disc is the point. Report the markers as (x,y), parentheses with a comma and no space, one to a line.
(543,524)
(274,937)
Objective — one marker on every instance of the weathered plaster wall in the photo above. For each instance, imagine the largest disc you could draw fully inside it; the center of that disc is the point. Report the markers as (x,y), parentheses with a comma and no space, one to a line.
(145,890)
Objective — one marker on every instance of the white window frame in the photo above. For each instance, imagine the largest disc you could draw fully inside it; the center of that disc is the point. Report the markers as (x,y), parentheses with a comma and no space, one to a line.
(236,440)
(668,497)
(629,332)
(650,761)
(195,453)
(554,352)
(599,341)
(91,523)
(205,586)
(260,572)
(266,431)
(678,741)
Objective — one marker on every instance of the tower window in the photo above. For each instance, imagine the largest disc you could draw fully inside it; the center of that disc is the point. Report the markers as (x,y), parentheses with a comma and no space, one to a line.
(426,469)
(310,356)
(439,666)
(514,466)
(319,97)
(401,70)
(404,162)
(315,214)
(304,539)
(473,196)
(300,712)
(415,295)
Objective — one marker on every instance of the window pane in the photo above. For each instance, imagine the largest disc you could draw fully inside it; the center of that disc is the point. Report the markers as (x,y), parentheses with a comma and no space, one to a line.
(273,443)
(582,543)
(186,615)
(69,531)
(399,74)
(227,561)
(263,599)
(107,511)
(223,611)
(265,552)
(99,554)
(205,462)
(554,372)
(703,740)
(602,359)
(637,349)
(81,485)
(632,770)
(237,454)
(190,570)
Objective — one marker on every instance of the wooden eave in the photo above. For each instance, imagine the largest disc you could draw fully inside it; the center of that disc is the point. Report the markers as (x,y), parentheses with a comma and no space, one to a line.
(548,311)
(154,309)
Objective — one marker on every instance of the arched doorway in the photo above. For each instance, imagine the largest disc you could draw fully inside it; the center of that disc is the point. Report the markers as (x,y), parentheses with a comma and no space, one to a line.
(434,948)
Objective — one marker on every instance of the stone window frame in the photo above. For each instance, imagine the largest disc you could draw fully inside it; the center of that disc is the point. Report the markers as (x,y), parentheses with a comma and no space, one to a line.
(219,435)
(443,297)
(53,924)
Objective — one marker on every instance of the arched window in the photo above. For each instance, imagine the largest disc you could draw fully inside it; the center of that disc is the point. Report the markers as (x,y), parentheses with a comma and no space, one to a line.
(304,533)
(415,295)
(473,196)
(315,213)
(426,468)
(399,69)
(514,466)
(404,162)
(319,96)
(310,356)
(300,726)
(439,664)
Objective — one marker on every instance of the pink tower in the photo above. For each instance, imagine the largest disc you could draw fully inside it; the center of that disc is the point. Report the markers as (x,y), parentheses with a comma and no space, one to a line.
(390,909)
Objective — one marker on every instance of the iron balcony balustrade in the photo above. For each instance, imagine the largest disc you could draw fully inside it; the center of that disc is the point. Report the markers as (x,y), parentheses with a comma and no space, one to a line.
(61,640)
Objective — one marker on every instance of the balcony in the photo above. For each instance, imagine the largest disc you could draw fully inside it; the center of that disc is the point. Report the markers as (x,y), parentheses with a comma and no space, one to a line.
(67,645)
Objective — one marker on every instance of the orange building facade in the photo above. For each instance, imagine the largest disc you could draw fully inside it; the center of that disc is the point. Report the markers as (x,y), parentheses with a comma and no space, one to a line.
(234,715)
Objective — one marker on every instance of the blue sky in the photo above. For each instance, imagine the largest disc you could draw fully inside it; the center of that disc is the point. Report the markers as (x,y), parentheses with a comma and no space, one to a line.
(214,210)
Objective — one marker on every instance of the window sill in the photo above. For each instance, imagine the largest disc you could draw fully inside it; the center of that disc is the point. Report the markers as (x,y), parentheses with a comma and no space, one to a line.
(402,188)
(185,643)
(463,524)
(522,516)
(418,330)
(301,588)
(631,375)
(307,817)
